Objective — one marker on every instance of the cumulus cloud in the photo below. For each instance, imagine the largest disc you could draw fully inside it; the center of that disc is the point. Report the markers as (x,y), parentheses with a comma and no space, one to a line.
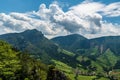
(84,19)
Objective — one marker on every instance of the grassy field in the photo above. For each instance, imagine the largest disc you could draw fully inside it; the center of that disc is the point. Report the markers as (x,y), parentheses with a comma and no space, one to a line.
(62,66)
(80,77)
(69,71)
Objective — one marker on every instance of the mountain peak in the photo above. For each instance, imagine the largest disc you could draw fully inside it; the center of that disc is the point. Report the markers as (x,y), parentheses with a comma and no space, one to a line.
(73,36)
(69,41)
(76,36)
(32,32)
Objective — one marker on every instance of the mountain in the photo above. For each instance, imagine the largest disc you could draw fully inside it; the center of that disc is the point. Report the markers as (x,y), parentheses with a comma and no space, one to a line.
(34,42)
(111,42)
(92,57)
(75,42)
(98,54)
(72,42)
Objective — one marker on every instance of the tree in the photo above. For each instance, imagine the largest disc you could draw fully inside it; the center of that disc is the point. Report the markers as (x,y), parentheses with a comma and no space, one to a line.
(9,62)
(54,74)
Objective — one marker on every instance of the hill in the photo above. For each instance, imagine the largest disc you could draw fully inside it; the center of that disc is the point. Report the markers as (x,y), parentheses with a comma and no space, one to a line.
(98,54)
(75,42)
(34,42)
(91,57)
(15,65)
(72,42)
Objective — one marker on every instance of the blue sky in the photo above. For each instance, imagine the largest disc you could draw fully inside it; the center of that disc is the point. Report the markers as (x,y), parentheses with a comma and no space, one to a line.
(7,6)
(28,5)
(107,15)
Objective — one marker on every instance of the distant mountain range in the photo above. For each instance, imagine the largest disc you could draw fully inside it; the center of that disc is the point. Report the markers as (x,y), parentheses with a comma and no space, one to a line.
(99,55)
(75,41)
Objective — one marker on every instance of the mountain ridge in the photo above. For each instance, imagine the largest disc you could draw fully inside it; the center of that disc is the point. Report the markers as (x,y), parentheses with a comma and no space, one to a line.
(37,45)
(101,41)
(76,51)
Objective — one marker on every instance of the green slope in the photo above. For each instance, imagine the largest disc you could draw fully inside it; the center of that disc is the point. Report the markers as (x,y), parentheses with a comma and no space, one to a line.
(15,65)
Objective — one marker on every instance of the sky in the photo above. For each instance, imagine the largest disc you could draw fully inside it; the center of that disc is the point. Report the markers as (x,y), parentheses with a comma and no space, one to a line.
(90,18)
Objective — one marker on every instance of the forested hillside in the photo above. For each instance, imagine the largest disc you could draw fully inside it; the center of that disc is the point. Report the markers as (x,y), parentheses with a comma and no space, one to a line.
(15,65)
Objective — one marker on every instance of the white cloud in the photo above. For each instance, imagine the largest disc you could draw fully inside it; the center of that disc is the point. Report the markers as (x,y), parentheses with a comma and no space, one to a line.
(87,8)
(83,19)
(112,10)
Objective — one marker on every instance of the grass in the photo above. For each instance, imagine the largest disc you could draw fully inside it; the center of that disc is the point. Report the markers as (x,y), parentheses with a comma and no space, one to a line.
(80,77)
(62,66)
(103,78)
(68,53)
(69,71)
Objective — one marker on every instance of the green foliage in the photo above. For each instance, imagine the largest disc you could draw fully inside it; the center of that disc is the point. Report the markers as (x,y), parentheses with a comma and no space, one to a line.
(32,68)
(9,61)
(15,65)
(55,74)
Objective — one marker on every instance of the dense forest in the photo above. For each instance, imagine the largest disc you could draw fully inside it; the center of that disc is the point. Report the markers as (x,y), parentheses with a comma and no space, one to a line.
(16,65)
